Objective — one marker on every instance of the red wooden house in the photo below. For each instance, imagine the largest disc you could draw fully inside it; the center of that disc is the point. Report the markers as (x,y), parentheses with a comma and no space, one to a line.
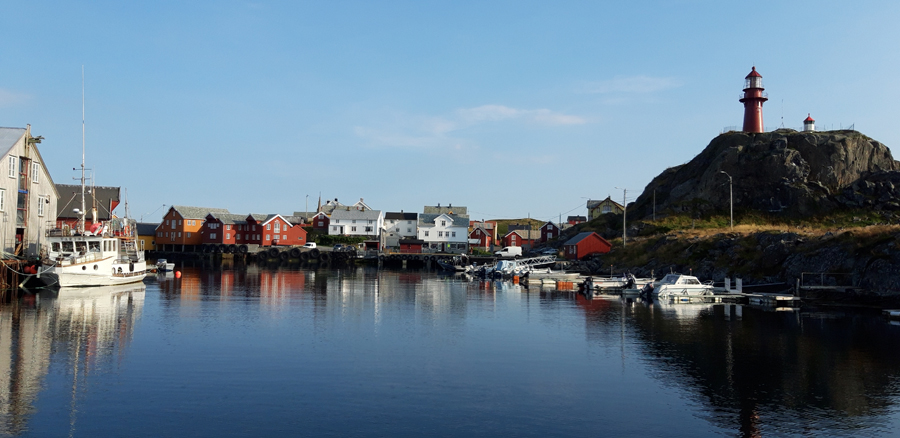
(480,237)
(524,238)
(575,220)
(412,246)
(549,231)
(585,244)
(221,228)
(276,230)
(320,222)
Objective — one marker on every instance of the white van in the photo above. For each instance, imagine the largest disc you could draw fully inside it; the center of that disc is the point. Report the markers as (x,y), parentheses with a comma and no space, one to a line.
(509,251)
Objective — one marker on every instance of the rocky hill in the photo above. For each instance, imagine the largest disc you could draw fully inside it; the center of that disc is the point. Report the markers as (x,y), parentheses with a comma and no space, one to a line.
(783,172)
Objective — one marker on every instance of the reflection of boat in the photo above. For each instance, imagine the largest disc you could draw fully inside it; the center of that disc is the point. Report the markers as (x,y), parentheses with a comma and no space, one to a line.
(679,285)
(162,265)
(455,264)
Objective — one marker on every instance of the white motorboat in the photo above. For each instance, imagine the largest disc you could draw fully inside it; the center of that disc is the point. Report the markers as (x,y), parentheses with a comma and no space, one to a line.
(680,285)
(163,265)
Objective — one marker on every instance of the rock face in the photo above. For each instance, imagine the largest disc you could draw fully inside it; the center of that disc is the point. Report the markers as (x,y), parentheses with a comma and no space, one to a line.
(784,171)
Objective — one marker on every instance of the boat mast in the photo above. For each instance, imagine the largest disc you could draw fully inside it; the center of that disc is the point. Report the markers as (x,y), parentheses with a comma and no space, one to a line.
(81,212)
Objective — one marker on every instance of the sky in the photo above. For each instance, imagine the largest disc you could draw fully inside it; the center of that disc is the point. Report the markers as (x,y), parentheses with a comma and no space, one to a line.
(513,109)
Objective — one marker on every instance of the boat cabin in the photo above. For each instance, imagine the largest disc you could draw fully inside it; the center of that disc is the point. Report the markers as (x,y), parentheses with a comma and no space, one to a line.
(679,279)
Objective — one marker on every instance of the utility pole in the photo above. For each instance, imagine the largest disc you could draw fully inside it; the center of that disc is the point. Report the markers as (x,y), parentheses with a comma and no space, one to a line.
(730,197)
(624,213)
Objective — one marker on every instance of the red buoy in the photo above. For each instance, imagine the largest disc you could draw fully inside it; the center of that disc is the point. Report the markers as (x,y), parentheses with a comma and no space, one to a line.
(177,274)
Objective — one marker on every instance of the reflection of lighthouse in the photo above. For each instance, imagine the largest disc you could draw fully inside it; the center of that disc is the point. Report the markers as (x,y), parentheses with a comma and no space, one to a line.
(753,99)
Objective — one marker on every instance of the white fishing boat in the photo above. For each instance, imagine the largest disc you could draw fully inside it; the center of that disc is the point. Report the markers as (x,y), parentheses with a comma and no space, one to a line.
(680,285)
(163,265)
(107,254)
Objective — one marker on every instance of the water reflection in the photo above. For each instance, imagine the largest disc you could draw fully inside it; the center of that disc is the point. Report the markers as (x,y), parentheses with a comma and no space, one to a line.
(762,372)
(81,327)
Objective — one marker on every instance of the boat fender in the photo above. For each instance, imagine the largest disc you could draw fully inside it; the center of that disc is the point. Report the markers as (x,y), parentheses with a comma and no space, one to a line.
(131,267)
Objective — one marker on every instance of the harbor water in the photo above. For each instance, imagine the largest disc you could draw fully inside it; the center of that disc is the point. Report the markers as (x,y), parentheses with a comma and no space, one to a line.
(235,350)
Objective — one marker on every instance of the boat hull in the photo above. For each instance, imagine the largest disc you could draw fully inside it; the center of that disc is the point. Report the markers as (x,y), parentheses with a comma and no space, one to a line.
(114,274)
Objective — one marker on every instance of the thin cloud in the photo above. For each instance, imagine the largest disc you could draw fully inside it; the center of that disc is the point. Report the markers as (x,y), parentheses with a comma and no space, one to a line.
(633,84)
(430,132)
(9,98)
(494,113)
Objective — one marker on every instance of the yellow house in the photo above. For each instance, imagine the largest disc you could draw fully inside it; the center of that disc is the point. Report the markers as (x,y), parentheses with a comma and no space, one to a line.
(147,235)
(596,208)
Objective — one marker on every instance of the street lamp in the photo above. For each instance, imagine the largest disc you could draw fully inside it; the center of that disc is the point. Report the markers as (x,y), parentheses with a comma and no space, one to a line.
(730,197)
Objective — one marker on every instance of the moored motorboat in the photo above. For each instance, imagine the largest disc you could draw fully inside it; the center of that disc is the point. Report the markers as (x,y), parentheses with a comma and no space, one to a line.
(680,285)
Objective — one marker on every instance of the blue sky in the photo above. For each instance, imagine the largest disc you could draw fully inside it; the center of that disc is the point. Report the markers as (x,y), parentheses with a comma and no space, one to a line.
(514,109)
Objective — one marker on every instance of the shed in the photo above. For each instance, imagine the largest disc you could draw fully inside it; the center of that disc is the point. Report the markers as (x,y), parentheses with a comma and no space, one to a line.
(585,244)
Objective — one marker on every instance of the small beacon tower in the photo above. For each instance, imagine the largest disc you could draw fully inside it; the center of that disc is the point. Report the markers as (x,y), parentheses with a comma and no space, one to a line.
(809,124)
(753,99)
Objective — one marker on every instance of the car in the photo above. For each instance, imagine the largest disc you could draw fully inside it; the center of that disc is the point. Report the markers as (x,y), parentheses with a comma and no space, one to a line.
(549,251)
(310,245)
(339,247)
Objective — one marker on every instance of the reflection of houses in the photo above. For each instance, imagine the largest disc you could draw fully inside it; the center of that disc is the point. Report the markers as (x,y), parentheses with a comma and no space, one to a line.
(596,208)
(82,330)
(28,197)
(585,244)
(101,201)
(181,226)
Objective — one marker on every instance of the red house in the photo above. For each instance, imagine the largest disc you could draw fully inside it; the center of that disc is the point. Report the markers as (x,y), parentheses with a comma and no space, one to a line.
(549,231)
(524,238)
(480,237)
(585,244)
(411,246)
(276,230)
(320,222)
(221,228)
(575,220)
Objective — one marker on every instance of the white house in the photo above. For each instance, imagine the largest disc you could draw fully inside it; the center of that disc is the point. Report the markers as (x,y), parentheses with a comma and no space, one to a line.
(28,197)
(352,222)
(444,232)
(399,226)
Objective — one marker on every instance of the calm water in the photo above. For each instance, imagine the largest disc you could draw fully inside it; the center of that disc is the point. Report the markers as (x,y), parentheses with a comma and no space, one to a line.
(256,351)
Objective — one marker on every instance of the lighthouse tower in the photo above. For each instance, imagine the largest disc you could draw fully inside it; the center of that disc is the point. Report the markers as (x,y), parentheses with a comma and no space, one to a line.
(753,99)
(809,124)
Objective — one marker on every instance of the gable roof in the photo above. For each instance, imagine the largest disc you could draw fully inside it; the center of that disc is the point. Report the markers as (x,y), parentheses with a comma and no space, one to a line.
(70,197)
(146,229)
(401,216)
(581,236)
(594,203)
(9,137)
(188,212)
(228,218)
(352,213)
(526,234)
(427,219)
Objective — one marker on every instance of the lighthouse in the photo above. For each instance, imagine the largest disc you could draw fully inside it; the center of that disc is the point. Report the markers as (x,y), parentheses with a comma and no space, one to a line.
(753,99)
(809,124)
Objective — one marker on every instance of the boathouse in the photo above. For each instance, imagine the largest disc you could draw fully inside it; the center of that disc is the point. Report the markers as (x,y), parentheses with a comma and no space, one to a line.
(584,245)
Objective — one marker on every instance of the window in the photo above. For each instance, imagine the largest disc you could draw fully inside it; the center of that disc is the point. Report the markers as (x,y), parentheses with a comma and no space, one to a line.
(284,236)
(167,222)
(253,228)
(408,230)
(353,221)
(369,229)
(408,222)
(352,228)
(277,227)
(454,234)
(167,234)
(2,199)
(189,234)
(443,223)
(333,228)
(440,234)
(180,221)
(426,234)
(268,226)
(227,227)
(321,223)
(13,165)
(606,209)
(268,237)
(173,224)
(179,234)
(228,235)
(212,235)
(35,171)
(41,205)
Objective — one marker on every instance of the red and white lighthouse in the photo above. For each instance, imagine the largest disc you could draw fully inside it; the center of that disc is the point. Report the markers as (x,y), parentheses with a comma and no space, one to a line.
(809,124)
(753,99)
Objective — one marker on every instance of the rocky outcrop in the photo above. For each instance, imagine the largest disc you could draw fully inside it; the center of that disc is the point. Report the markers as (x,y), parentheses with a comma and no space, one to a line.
(782,172)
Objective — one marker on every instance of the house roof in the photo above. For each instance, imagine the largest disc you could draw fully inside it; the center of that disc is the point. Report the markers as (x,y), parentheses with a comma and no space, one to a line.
(401,216)
(449,209)
(581,236)
(188,212)
(576,218)
(9,137)
(594,203)
(70,197)
(342,213)
(526,234)
(228,218)
(146,229)
(427,219)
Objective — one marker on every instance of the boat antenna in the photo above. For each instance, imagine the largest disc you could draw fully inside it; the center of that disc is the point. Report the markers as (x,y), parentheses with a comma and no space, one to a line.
(81,212)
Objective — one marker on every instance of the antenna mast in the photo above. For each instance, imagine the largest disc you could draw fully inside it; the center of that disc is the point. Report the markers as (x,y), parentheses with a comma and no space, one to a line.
(81,213)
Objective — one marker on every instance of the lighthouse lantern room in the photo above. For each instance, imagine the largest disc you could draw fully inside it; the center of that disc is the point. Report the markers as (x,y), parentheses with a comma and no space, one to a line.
(753,99)
(809,124)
